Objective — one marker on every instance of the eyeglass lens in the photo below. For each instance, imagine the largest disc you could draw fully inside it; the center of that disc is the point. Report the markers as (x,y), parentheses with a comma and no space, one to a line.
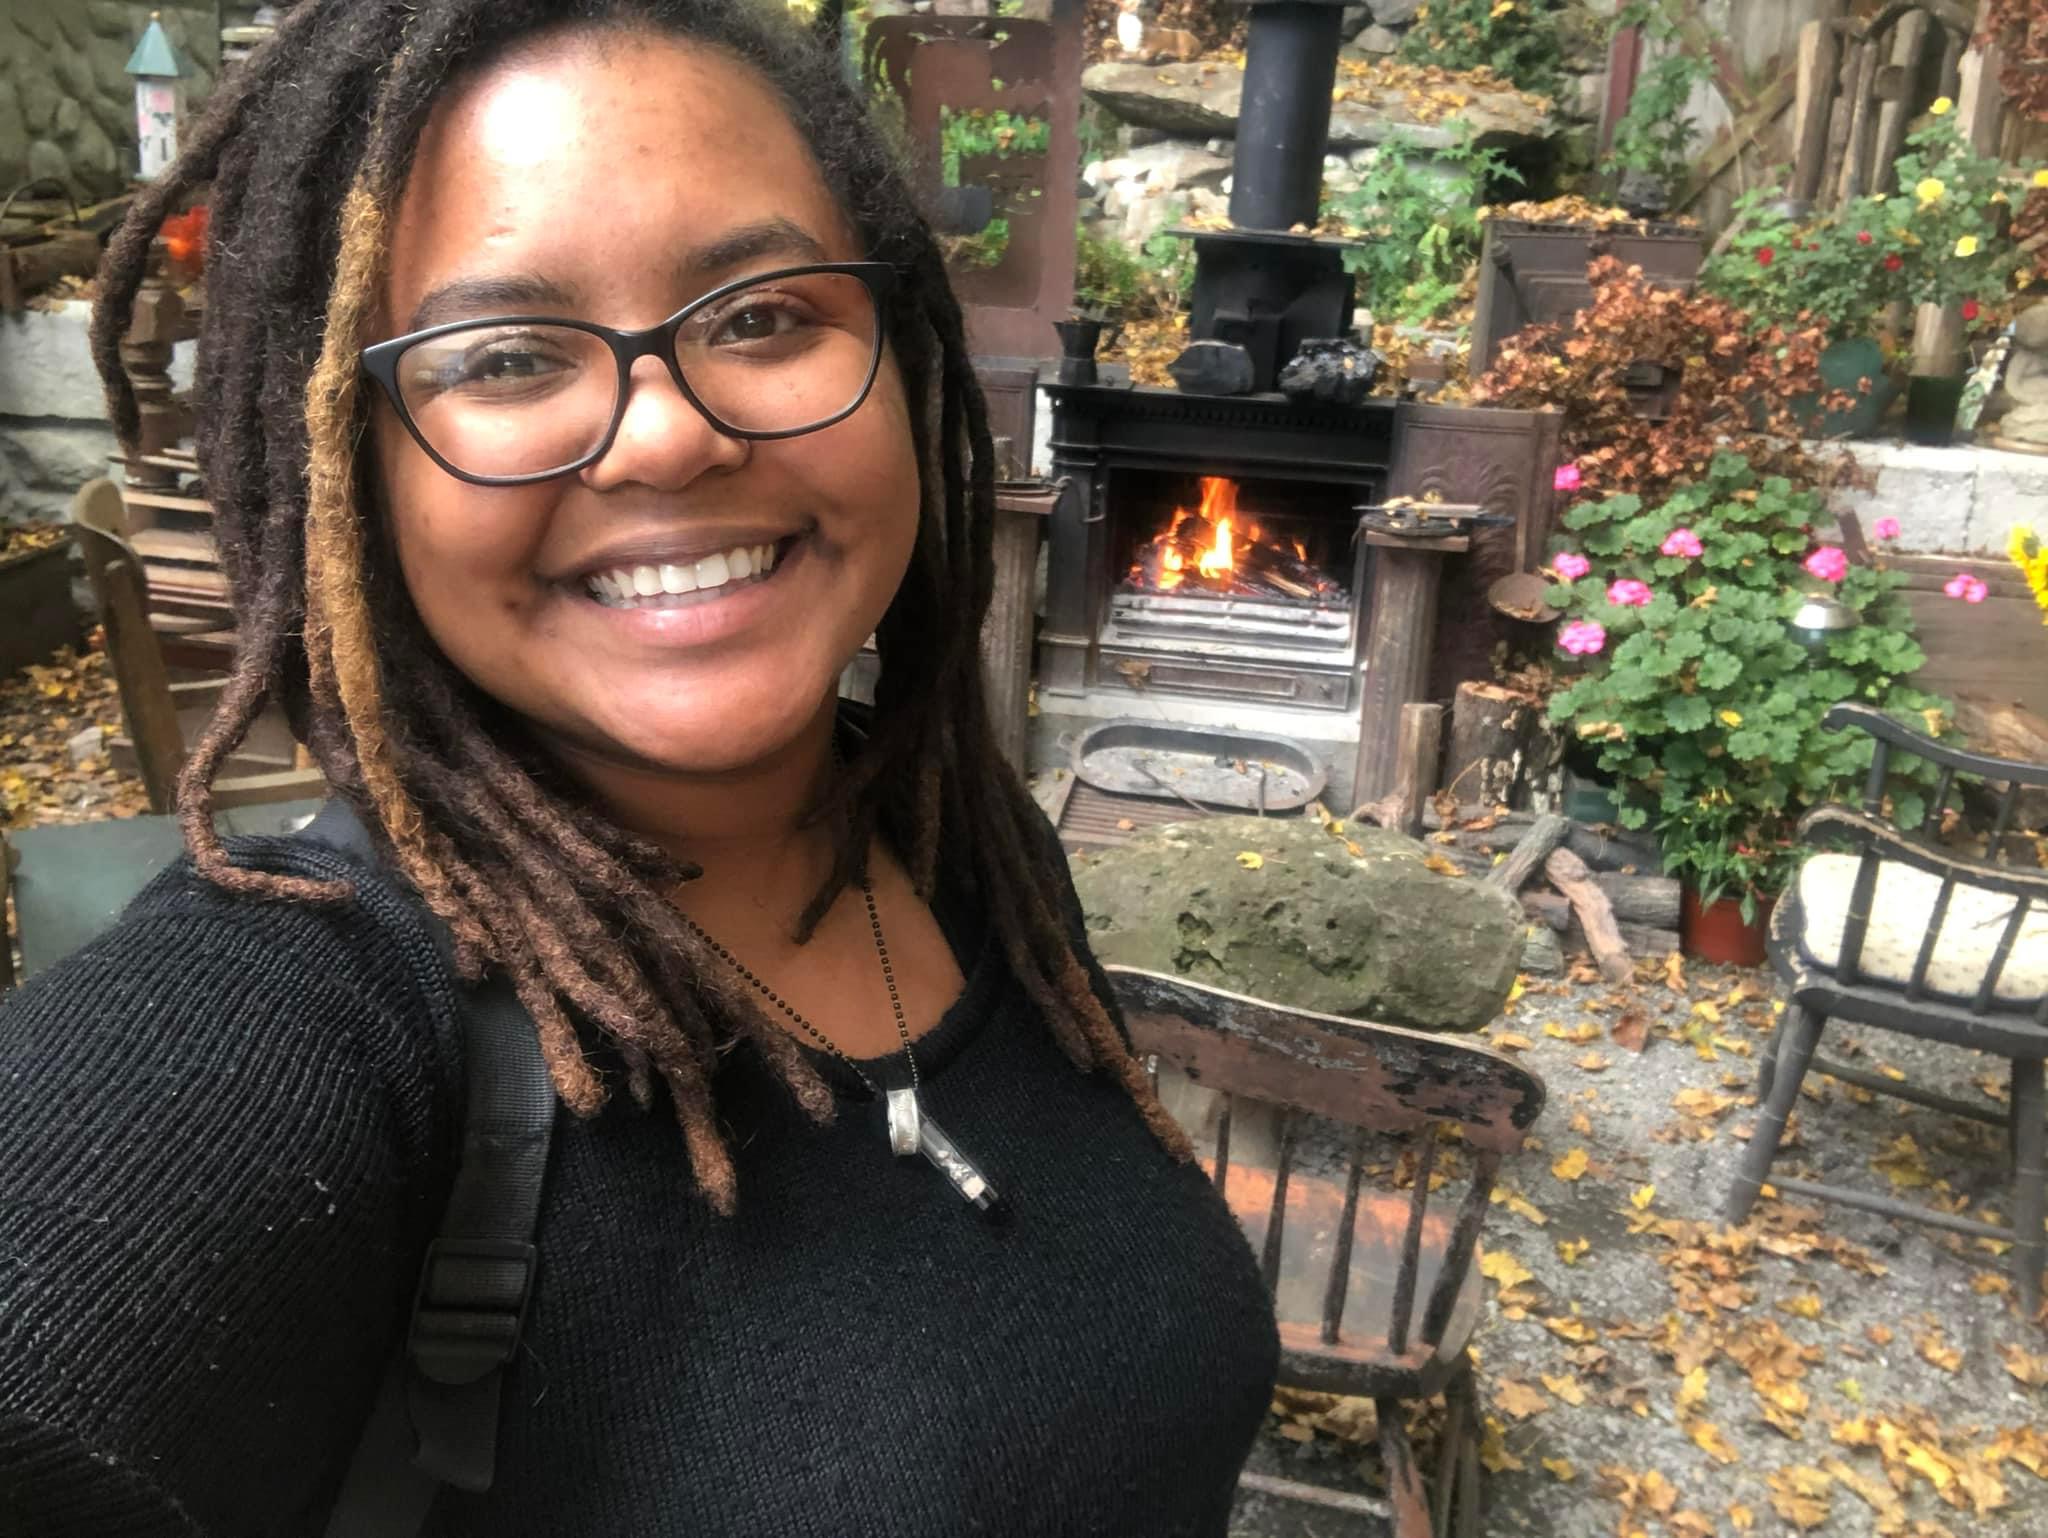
(498,399)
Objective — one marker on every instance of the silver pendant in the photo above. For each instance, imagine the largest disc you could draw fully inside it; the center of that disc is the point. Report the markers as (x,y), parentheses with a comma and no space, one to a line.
(904,1122)
(958,1168)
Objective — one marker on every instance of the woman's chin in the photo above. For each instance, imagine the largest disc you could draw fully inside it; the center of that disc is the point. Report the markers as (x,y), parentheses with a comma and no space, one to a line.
(661,739)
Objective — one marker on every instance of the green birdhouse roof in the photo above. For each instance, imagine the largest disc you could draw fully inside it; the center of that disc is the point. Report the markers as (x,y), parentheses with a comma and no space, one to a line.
(154,54)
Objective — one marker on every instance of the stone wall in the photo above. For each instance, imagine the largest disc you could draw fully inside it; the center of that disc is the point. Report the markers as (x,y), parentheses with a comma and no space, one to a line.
(67,105)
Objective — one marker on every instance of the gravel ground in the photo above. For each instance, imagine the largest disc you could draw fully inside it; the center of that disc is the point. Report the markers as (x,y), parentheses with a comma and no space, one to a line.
(1890,1356)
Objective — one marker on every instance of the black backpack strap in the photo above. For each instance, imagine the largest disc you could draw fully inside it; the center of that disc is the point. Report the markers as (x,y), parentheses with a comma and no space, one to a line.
(436,1417)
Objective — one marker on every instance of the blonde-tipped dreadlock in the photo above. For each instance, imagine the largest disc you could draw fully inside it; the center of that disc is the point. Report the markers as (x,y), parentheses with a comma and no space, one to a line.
(529,876)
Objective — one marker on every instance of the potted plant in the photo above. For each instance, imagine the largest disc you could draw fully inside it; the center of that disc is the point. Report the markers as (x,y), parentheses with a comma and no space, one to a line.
(1839,271)
(1950,219)
(1696,696)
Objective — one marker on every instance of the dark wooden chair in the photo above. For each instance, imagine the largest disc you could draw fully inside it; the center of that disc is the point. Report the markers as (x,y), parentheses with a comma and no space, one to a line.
(1375,1289)
(149,699)
(1907,935)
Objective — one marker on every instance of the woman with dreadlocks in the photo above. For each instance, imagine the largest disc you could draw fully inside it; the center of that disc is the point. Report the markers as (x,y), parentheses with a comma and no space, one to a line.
(579,388)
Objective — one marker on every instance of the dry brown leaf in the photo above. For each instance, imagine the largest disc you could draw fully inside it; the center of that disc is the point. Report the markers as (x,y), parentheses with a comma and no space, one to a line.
(1632,1029)
(1933,1348)
(1442,867)
(2023,1364)
(1805,1305)
(1712,1442)
(1503,1268)
(1578,1035)
(1801,1495)
(1519,1399)
(1879,1334)
(1561,1470)
(1513,1041)
(1592,1062)
(1566,1388)
(1741,1518)
(1577,1331)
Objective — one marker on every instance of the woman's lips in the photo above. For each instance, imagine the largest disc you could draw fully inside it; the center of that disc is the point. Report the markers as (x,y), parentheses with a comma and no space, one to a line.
(707,611)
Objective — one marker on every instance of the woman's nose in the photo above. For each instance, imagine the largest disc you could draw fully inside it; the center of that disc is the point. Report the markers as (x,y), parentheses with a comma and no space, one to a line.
(664,440)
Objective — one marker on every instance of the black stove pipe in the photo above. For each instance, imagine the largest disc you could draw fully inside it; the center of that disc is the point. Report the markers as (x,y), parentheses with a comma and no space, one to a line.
(1283,120)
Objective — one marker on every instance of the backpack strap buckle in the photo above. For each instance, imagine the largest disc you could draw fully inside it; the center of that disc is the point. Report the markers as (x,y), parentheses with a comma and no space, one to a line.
(470,1307)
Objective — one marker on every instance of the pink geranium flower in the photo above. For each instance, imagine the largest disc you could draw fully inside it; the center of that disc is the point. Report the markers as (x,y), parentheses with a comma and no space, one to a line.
(1886,528)
(1828,563)
(1582,637)
(1567,478)
(1682,542)
(1629,593)
(1570,565)
(1966,587)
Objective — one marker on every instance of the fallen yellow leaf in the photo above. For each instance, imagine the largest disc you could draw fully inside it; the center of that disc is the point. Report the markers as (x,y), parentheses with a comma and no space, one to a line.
(1519,1399)
(1711,1441)
(1561,1470)
(1570,1166)
(1692,1391)
(1566,1388)
(1501,1267)
(1642,1196)
(1570,1251)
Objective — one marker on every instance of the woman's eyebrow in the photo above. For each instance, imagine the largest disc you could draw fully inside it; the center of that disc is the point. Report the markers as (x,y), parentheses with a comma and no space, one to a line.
(750,242)
(460,298)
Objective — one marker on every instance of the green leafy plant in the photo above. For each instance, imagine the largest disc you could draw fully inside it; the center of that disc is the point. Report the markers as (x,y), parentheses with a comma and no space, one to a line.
(1950,216)
(1143,284)
(1420,215)
(1698,699)
(1655,136)
(1838,271)
(979,131)
(986,247)
(1516,39)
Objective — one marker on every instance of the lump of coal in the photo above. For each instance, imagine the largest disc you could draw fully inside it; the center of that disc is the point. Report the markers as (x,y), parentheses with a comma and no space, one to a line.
(1340,372)
(1213,368)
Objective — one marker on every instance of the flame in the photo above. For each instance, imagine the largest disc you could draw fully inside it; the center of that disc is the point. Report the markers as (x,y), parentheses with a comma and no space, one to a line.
(1219,506)
(1218,548)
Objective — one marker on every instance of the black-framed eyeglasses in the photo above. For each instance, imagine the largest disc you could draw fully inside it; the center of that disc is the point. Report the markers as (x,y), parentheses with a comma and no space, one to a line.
(518,398)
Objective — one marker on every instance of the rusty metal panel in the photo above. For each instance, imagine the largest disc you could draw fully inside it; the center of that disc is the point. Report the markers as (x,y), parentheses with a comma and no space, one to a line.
(1535,274)
(1505,460)
(1031,68)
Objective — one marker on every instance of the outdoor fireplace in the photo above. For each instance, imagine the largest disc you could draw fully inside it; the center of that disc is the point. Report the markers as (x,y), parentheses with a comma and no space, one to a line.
(1206,562)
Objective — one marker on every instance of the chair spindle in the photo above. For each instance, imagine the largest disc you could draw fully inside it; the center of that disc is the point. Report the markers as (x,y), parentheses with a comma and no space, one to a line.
(1340,1263)
(1411,1242)
(1458,1256)
(1276,1219)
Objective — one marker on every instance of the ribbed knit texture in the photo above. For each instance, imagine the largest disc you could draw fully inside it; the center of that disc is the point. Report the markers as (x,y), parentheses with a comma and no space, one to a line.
(226,1130)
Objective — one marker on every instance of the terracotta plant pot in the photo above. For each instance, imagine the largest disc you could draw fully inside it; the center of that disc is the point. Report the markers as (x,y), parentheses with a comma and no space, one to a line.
(1716,932)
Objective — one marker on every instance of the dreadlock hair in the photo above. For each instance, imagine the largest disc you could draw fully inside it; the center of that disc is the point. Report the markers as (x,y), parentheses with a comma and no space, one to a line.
(307,149)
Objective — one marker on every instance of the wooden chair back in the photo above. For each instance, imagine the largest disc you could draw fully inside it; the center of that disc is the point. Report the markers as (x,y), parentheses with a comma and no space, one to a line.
(1880,840)
(1368,1077)
(149,700)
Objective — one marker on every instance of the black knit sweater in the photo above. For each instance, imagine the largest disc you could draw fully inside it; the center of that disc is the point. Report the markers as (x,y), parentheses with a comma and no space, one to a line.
(226,1131)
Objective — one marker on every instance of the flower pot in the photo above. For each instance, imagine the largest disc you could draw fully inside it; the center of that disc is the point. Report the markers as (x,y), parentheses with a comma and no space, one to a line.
(1931,402)
(1715,931)
(1853,365)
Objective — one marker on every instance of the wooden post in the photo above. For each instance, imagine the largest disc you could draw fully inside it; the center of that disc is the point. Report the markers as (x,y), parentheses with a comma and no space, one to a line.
(1489,732)
(1422,733)
(1818,61)
(1908,40)
(1855,176)
(1006,632)
(117,579)
(1980,100)
(1937,339)
(1405,578)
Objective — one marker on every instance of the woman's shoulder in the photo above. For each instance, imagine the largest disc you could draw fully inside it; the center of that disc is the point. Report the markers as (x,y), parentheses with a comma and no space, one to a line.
(196,980)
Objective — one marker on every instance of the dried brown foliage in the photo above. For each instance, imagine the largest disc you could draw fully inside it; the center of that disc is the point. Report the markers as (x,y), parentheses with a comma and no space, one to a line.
(1741,388)
(2020,28)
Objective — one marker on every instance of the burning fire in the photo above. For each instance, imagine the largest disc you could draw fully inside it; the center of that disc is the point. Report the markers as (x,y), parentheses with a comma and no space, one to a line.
(1215,548)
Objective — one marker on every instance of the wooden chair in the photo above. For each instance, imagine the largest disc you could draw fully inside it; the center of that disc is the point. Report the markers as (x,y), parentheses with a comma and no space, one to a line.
(1376,1292)
(1909,936)
(149,700)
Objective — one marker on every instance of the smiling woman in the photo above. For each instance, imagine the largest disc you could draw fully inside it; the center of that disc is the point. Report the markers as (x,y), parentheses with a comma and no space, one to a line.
(568,432)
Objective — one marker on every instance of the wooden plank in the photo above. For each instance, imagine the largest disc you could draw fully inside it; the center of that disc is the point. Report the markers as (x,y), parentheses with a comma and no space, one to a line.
(1908,41)
(189,545)
(1813,96)
(1422,735)
(1855,175)
(1980,100)
(1744,132)
(168,501)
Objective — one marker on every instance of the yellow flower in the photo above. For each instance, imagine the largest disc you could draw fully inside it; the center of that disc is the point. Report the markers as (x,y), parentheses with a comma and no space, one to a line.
(1878,197)
(2000,197)
(1942,106)
(1731,718)
(2041,177)
(1929,190)
(1501,8)
(1967,246)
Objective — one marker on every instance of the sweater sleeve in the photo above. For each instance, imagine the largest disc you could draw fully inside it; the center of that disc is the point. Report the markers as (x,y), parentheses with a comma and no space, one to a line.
(225,1132)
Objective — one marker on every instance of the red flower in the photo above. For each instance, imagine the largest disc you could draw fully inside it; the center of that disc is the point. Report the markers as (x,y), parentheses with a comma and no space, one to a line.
(1764,256)
(1970,309)
(1894,262)
(1863,237)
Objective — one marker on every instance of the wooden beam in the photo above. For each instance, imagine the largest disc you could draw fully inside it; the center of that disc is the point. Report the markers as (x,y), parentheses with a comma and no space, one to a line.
(1908,41)
(1814,76)
(1775,99)
(1422,735)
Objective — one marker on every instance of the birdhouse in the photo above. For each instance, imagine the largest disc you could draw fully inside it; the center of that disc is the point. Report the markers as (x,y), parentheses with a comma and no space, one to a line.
(159,97)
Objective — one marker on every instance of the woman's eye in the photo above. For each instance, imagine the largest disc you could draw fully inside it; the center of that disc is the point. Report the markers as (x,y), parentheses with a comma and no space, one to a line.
(506,365)
(754,323)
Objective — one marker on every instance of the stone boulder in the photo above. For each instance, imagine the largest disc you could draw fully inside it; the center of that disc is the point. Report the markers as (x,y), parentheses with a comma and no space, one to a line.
(1377,935)
(1200,101)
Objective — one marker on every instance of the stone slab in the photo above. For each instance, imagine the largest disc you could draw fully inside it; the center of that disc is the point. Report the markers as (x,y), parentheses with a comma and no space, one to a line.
(1963,499)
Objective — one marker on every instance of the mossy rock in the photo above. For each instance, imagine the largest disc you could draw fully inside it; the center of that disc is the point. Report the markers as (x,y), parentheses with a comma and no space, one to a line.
(1373,935)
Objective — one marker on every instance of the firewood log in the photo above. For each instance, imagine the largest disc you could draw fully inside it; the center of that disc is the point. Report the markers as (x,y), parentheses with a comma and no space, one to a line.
(1568,873)
(1534,847)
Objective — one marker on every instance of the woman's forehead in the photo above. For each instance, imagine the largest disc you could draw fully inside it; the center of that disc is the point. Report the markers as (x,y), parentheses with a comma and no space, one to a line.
(603,162)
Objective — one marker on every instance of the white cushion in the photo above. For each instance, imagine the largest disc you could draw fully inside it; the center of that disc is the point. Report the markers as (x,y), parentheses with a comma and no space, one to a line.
(1901,908)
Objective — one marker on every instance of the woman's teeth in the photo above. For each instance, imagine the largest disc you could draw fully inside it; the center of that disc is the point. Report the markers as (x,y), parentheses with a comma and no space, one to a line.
(629,586)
